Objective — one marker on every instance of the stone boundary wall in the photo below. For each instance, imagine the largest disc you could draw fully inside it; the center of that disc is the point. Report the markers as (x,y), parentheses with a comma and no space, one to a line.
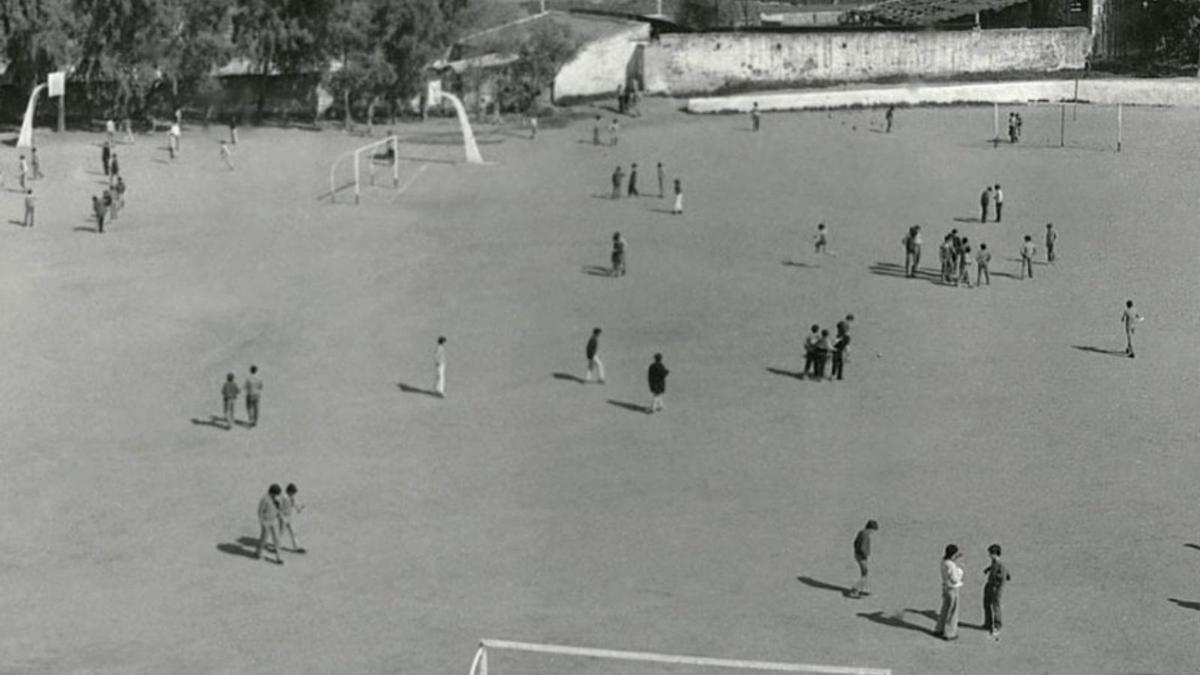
(681,64)
(601,65)
(1164,92)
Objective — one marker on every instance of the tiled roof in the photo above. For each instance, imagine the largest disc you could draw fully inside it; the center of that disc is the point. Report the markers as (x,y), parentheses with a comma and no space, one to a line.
(931,12)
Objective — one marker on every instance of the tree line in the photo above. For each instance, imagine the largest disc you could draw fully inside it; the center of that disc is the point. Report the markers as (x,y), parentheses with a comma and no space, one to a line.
(131,57)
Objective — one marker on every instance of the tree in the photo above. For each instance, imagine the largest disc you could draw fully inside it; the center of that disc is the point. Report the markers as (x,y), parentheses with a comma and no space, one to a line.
(710,14)
(282,36)
(37,37)
(547,48)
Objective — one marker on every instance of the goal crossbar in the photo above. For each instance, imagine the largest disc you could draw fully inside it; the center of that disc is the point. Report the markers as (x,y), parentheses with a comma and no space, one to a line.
(393,142)
(480,663)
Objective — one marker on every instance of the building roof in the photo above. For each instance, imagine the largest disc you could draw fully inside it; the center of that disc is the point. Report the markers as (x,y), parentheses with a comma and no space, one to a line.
(931,12)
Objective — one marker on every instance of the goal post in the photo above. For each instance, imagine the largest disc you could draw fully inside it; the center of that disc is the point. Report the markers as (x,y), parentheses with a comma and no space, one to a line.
(479,665)
(367,154)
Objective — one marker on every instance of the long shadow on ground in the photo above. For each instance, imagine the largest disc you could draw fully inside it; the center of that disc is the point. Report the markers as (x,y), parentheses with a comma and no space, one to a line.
(216,421)
(1186,604)
(628,406)
(597,271)
(239,548)
(786,373)
(568,377)
(409,389)
(1100,350)
(887,269)
(824,586)
(1193,546)
(898,620)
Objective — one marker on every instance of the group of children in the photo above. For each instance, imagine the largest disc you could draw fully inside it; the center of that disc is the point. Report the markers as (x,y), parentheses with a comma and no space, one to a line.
(821,349)
(275,512)
(996,576)
(631,188)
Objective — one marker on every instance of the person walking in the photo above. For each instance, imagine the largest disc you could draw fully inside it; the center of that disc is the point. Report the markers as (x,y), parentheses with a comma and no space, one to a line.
(656,376)
(840,346)
(596,131)
(617,177)
(1051,239)
(268,522)
(862,551)
(614,131)
(233,129)
(618,255)
(985,200)
(887,118)
(952,576)
(821,240)
(633,189)
(106,156)
(254,387)
(99,210)
(120,203)
(998,197)
(229,397)
(997,576)
(30,205)
(114,169)
(128,124)
(1129,318)
(662,179)
(109,204)
(755,118)
(37,164)
(594,365)
(1028,250)
(110,130)
(439,362)
(678,208)
(289,507)
(982,261)
(621,98)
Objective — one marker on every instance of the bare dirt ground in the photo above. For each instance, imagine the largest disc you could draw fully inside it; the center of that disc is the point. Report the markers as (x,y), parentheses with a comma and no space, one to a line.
(527,506)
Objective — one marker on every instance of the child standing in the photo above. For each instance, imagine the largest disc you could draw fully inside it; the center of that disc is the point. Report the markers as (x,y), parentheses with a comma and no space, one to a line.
(755,120)
(997,576)
(662,179)
(618,255)
(1027,252)
(964,267)
(982,260)
(678,208)
(614,129)
(229,396)
(1129,317)
(1051,238)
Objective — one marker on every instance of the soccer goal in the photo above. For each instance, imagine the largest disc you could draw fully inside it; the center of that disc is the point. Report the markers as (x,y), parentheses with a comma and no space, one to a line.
(568,659)
(366,161)
(1065,124)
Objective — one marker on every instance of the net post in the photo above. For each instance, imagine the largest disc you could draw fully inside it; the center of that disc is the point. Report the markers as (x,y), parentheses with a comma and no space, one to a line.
(356,179)
(995,124)
(1062,126)
(371,166)
(1119,125)
(395,162)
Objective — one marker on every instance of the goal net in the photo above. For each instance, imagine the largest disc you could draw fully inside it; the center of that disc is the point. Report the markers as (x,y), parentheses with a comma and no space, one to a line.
(529,658)
(374,164)
(1067,124)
